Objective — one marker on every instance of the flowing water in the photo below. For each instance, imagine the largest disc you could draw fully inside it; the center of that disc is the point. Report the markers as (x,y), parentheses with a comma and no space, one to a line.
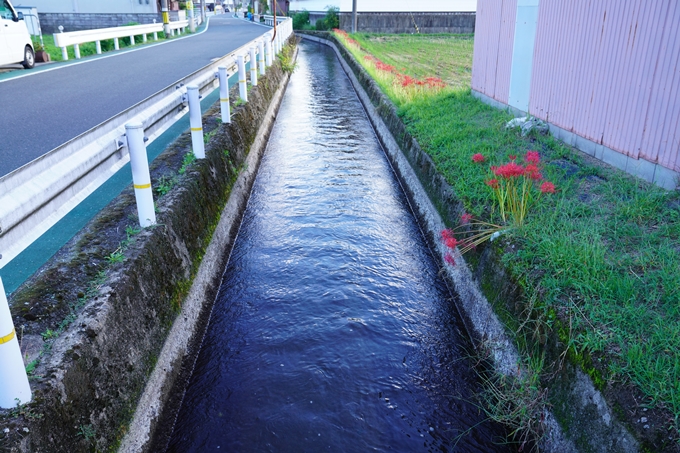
(332,330)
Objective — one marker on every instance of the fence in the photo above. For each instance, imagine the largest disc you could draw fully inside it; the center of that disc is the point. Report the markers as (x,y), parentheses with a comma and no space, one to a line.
(444,22)
(35,196)
(604,75)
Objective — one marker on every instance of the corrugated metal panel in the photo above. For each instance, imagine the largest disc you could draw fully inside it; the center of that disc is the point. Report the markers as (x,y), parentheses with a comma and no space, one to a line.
(657,131)
(494,28)
(507,33)
(604,69)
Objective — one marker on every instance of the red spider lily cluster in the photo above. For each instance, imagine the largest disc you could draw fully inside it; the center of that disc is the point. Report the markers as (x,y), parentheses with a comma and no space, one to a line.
(346,37)
(407,85)
(513,183)
(513,187)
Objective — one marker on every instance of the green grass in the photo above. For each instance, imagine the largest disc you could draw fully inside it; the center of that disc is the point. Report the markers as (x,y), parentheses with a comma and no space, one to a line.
(603,252)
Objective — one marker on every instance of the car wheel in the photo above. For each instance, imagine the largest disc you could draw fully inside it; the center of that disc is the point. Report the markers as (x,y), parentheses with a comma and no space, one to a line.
(29,58)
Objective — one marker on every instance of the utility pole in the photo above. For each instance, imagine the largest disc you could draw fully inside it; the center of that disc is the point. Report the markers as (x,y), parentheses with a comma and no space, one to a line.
(354,16)
(203,11)
(166,17)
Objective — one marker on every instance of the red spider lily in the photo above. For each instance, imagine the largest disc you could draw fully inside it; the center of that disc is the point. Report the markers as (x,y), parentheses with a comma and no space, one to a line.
(512,157)
(532,172)
(446,234)
(493,183)
(478,157)
(509,170)
(451,242)
(547,187)
(449,259)
(407,81)
(435,82)
(383,66)
(465,218)
(532,156)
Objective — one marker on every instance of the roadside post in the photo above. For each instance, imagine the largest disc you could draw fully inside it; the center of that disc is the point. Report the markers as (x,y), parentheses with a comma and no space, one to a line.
(195,121)
(242,88)
(253,67)
(141,178)
(224,94)
(15,388)
(260,51)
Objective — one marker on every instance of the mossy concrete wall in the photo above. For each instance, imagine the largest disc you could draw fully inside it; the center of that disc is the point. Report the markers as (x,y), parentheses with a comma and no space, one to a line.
(131,324)
(582,420)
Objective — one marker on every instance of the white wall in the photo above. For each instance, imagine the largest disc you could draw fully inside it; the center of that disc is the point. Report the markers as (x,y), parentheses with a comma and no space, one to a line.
(421,6)
(90,6)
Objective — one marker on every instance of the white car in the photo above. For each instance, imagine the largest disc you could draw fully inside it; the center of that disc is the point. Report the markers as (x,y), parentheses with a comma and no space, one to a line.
(15,42)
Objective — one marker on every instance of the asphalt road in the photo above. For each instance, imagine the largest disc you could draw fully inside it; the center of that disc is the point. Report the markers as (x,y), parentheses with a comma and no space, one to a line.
(46,108)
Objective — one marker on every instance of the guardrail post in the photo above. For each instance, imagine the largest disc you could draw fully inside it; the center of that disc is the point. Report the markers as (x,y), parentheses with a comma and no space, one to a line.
(144,37)
(64,53)
(98,44)
(195,121)
(140,174)
(253,67)
(269,49)
(116,45)
(76,51)
(224,94)
(12,370)
(242,88)
(155,36)
(132,40)
(260,51)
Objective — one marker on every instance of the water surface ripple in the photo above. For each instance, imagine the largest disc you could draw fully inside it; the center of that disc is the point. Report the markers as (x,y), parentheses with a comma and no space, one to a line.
(332,330)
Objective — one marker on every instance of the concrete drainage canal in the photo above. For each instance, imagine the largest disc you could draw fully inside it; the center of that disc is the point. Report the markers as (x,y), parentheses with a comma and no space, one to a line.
(332,330)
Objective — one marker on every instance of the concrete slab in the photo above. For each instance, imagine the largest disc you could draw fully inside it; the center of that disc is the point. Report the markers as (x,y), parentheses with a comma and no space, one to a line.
(666,178)
(585,145)
(641,168)
(614,158)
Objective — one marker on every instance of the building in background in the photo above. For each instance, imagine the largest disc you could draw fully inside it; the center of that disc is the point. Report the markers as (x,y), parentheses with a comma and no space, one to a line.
(384,6)
(93,6)
(604,74)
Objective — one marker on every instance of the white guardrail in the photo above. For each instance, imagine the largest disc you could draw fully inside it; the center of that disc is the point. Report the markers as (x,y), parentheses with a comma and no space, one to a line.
(269,20)
(34,197)
(75,38)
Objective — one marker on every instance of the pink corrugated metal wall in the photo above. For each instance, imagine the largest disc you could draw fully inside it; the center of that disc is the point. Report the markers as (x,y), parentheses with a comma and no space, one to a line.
(494,34)
(604,69)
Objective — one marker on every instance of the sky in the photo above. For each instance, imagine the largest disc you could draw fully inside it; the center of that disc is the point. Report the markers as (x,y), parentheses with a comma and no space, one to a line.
(387,5)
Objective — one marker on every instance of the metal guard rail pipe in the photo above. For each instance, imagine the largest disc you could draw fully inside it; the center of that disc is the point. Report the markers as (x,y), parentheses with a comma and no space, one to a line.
(34,197)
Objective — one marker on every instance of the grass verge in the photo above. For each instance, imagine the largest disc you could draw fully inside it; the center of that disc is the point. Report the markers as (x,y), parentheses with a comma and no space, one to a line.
(598,262)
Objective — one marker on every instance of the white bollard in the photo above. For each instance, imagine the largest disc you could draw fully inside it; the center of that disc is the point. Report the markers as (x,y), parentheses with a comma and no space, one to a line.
(242,88)
(141,179)
(260,51)
(76,51)
(99,47)
(12,370)
(195,121)
(253,67)
(268,45)
(224,94)
(116,45)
